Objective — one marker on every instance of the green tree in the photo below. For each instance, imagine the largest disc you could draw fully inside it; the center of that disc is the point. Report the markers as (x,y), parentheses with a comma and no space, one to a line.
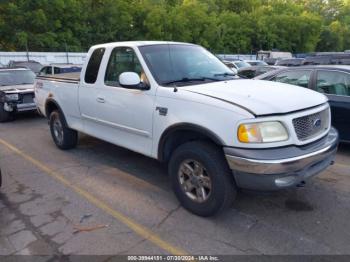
(220,25)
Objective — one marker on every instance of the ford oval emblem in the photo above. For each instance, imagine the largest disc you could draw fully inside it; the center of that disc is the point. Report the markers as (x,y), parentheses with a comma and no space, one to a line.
(317,123)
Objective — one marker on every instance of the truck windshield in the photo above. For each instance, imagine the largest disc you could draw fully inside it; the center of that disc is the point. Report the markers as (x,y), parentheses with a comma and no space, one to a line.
(180,65)
(16,77)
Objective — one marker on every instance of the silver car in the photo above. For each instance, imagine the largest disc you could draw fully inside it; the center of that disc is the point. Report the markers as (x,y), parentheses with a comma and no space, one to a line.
(16,92)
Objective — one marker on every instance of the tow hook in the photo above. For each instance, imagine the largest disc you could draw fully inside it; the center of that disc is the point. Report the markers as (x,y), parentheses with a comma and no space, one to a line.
(332,163)
(301,184)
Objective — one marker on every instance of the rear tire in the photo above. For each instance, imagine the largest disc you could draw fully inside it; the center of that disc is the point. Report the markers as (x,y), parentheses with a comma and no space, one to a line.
(64,137)
(4,115)
(211,187)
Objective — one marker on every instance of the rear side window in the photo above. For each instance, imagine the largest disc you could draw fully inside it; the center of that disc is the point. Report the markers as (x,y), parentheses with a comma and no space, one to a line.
(94,65)
(333,83)
(298,78)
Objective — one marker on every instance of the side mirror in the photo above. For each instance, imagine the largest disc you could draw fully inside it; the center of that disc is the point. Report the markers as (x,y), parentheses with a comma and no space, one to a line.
(131,80)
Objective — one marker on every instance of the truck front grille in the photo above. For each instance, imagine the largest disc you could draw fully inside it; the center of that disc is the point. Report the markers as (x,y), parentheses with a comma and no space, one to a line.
(310,126)
(27,98)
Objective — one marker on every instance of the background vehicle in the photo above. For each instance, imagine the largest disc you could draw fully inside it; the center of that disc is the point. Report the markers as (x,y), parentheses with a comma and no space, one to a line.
(253,71)
(178,103)
(31,64)
(55,69)
(271,57)
(256,62)
(333,81)
(334,59)
(16,92)
(290,62)
(237,64)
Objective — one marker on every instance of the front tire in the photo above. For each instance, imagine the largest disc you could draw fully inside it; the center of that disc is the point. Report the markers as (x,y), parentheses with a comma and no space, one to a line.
(64,137)
(201,178)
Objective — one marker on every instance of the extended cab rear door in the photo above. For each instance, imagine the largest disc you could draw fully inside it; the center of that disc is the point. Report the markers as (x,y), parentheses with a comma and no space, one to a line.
(116,114)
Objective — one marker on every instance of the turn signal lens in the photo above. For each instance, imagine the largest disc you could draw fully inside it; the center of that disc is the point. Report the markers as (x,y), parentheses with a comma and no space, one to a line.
(249,133)
(263,132)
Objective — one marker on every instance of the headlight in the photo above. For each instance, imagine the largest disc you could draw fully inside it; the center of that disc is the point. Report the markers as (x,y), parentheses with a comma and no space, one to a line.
(263,132)
(11,97)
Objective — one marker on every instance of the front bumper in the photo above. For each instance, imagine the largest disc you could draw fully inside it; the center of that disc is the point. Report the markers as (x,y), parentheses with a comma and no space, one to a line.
(25,102)
(13,107)
(277,168)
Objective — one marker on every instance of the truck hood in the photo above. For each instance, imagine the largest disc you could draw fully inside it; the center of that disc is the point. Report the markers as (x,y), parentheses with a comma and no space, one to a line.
(18,88)
(260,97)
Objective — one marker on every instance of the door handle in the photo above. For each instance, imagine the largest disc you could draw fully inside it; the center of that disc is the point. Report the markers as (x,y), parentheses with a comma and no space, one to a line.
(100,99)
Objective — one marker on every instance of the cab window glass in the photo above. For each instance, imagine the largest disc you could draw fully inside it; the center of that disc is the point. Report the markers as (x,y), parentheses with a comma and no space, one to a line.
(43,71)
(56,70)
(334,83)
(94,65)
(299,78)
(49,70)
(247,73)
(123,59)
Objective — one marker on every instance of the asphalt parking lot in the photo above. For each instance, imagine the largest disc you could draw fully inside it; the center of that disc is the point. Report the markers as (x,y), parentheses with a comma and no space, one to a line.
(99,199)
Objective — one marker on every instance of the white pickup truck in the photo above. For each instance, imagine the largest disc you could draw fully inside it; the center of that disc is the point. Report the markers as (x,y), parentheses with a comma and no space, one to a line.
(176,102)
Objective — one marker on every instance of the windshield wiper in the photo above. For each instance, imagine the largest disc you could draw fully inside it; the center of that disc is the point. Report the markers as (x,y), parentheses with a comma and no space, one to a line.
(225,74)
(186,80)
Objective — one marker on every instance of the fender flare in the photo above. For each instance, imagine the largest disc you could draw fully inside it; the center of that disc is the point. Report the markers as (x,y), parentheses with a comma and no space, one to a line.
(51,100)
(185,127)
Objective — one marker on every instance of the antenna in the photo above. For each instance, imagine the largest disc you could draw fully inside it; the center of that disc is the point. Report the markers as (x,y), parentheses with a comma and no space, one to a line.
(172,65)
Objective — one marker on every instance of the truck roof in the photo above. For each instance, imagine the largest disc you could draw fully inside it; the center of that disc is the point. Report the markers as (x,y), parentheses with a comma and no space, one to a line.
(139,43)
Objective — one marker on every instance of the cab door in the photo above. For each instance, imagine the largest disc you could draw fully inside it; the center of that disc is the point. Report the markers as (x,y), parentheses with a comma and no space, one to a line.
(127,114)
(116,114)
(88,90)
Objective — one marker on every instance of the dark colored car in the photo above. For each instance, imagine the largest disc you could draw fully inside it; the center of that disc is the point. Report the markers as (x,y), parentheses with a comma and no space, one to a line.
(331,80)
(335,59)
(290,62)
(31,64)
(253,71)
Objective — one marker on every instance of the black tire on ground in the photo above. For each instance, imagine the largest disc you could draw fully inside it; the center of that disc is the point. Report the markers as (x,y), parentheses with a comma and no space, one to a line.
(211,157)
(4,115)
(63,136)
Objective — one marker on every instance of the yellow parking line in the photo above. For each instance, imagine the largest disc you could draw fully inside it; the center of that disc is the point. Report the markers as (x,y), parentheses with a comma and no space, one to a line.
(137,228)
